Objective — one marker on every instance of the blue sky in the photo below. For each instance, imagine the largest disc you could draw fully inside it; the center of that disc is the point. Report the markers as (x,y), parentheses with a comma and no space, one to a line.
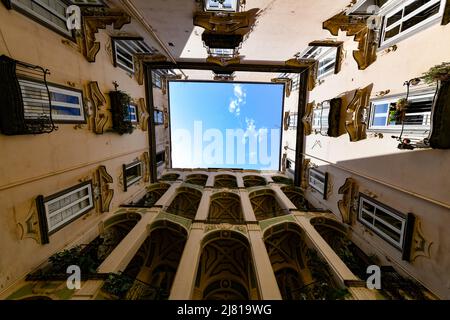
(225,125)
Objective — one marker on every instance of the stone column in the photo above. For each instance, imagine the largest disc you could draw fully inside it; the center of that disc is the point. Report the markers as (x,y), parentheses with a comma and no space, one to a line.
(203,207)
(210,181)
(247,208)
(183,284)
(169,195)
(267,283)
(341,272)
(239,180)
(283,200)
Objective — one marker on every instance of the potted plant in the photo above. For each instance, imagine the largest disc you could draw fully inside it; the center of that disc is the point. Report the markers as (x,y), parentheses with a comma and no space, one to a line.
(398,114)
(440,135)
(120,102)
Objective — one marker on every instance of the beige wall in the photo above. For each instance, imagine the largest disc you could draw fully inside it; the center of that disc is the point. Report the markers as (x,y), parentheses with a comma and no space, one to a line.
(33,165)
(409,181)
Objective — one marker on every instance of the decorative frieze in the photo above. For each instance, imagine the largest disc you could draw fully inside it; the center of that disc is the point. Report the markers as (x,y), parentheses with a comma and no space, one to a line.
(139,60)
(308,118)
(348,204)
(104,193)
(99,116)
(312,66)
(143,114)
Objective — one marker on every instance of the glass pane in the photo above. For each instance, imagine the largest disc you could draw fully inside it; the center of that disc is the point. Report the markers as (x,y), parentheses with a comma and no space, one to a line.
(68,111)
(61,97)
(395,222)
(391,33)
(422,16)
(381,108)
(366,217)
(368,207)
(415,5)
(379,121)
(389,232)
(392,19)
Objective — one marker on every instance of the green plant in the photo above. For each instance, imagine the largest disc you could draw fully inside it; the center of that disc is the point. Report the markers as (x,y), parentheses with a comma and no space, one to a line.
(439,72)
(120,102)
(73,256)
(118,284)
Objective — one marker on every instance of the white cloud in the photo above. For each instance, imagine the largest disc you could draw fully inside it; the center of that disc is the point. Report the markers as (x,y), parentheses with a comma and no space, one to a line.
(238,100)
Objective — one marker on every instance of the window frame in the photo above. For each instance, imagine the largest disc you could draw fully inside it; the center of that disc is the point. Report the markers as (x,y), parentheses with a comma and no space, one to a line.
(157,111)
(318,117)
(293,120)
(160,162)
(33,15)
(57,88)
(392,8)
(402,244)
(234,7)
(134,106)
(324,176)
(125,167)
(117,42)
(42,204)
(393,99)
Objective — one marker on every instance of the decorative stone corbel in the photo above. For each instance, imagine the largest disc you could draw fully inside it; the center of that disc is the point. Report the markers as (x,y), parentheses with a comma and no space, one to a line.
(93,19)
(145,160)
(139,59)
(312,66)
(101,181)
(166,117)
(223,61)
(308,118)
(348,203)
(28,225)
(355,122)
(421,246)
(99,117)
(283,162)
(286,120)
(225,23)
(143,114)
(339,51)
(305,174)
(287,85)
(165,81)
(358,27)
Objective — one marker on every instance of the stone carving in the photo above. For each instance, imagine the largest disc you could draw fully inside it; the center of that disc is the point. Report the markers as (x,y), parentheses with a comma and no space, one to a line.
(165,81)
(97,99)
(355,123)
(308,118)
(312,66)
(105,194)
(287,84)
(145,160)
(356,26)
(139,60)
(94,19)
(28,225)
(348,204)
(143,114)
(421,246)
(225,226)
(305,173)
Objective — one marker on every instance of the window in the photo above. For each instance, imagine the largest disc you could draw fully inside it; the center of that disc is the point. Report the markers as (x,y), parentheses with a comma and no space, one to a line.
(87,2)
(124,49)
(318,181)
(132,113)
(293,120)
(295,79)
(385,221)
(225,5)
(160,158)
(67,103)
(325,55)
(63,207)
(159,117)
(407,17)
(218,52)
(417,116)
(132,173)
(51,13)
(320,117)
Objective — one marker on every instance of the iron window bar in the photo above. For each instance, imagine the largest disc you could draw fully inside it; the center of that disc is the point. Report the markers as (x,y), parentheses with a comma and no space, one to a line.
(27,100)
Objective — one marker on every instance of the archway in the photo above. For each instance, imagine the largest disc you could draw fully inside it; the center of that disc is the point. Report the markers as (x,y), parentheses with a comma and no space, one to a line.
(225,270)
(253,181)
(185,203)
(225,181)
(265,204)
(197,179)
(154,193)
(282,180)
(169,177)
(225,207)
(296,196)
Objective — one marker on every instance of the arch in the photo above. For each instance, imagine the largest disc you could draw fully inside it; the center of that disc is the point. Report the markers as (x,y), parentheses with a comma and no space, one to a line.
(197,179)
(265,204)
(225,270)
(296,196)
(225,207)
(185,203)
(154,193)
(169,177)
(300,273)
(225,181)
(253,181)
(155,264)
(282,180)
